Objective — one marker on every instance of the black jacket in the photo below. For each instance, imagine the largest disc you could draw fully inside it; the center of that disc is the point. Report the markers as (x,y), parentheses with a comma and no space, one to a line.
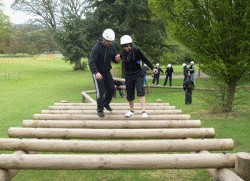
(169,71)
(101,57)
(132,60)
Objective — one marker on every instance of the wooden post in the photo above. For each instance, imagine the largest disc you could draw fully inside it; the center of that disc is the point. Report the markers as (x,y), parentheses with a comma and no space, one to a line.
(242,165)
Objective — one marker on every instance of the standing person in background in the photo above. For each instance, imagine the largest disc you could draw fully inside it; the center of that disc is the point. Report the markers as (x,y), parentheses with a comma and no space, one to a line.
(100,65)
(145,69)
(192,71)
(185,71)
(169,72)
(132,57)
(156,76)
(188,87)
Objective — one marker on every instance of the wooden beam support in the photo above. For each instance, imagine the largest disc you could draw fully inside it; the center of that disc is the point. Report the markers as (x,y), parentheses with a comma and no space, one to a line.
(122,107)
(109,117)
(111,133)
(116,112)
(107,124)
(122,146)
(116,161)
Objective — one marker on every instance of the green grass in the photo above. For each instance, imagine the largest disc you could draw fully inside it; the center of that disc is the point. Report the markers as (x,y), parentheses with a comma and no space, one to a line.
(28,86)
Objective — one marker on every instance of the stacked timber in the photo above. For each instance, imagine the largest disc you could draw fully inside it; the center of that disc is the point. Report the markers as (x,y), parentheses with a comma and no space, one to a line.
(142,142)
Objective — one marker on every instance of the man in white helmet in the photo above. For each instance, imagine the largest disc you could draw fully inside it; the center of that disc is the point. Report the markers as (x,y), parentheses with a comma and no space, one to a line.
(169,72)
(156,76)
(134,74)
(100,65)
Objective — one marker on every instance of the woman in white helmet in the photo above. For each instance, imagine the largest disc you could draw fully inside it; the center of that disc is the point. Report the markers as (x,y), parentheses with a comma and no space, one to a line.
(134,74)
(100,65)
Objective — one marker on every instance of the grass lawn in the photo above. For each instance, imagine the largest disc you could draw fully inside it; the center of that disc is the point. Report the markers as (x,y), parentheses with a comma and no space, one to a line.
(30,85)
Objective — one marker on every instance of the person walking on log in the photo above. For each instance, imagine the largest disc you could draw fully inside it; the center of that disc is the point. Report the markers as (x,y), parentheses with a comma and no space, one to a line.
(134,74)
(100,65)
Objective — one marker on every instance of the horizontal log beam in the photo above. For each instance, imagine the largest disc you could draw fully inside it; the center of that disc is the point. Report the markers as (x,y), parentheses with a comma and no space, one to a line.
(108,124)
(121,146)
(114,107)
(111,133)
(88,98)
(110,117)
(112,162)
(111,104)
(116,112)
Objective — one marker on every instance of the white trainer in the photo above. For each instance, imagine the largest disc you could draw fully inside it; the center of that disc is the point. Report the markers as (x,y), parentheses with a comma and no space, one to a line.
(144,115)
(129,113)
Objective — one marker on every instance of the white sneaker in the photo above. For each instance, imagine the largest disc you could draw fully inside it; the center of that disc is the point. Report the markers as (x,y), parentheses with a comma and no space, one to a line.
(129,113)
(144,115)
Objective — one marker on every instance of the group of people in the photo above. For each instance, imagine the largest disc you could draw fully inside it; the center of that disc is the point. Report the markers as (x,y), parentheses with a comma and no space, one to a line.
(100,65)
(169,72)
(101,56)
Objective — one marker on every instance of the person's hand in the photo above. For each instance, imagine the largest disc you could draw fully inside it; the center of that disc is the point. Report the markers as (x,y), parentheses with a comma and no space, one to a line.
(155,71)
(118,58)
(98,76)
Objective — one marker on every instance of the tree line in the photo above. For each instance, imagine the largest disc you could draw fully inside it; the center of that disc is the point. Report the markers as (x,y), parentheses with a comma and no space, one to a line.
(215,33)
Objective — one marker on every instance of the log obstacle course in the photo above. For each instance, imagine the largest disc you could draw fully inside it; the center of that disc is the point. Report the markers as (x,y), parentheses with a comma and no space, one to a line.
(118,142)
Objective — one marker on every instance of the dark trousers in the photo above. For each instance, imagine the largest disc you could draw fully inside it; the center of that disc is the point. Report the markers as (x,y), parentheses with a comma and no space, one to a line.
(132,84)
(166,80)
(104,90)
(156,78)
(188,97)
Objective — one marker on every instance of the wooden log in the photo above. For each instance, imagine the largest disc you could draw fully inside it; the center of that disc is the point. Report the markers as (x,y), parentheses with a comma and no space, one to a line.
(7,175)
(120,146)
(116,112)
(115,108)
(111,104)
(116,161)
(86,97)
(109,117)
(111,133)
(223,174)
(117,124)
(242,165)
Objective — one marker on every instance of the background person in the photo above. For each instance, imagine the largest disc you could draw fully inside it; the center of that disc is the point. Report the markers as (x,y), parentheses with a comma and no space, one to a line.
(100,65)
(169,72)
(192,71)
(185,71)
(156,76)
(145,69)
(188,87)
(134,74)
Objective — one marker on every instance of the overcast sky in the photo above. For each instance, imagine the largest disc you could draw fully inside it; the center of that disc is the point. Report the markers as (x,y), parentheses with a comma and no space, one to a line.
(15,17)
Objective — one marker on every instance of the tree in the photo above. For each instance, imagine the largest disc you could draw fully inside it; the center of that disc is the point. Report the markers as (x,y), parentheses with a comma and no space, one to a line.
(217,31)
(30,39)
(55,15)
(73,40)
(127,17)
(5,29)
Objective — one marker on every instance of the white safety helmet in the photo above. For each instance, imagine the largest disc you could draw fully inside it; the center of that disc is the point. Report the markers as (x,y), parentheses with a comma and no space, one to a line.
(125,39)
(169,65)
(192,62)
(108,34)
(183,65)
